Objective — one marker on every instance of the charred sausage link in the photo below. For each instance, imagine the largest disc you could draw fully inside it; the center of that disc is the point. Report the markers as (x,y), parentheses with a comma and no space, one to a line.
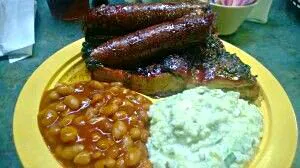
(122,19)
(146,43)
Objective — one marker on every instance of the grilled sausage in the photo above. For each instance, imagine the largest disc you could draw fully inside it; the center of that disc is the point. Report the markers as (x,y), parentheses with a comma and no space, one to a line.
(129,50)
(122,19)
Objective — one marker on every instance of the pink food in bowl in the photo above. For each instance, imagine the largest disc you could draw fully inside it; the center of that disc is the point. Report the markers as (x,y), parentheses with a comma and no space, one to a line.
(234,2)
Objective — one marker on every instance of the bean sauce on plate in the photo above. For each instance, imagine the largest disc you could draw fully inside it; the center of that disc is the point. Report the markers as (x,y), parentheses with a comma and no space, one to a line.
(95,125)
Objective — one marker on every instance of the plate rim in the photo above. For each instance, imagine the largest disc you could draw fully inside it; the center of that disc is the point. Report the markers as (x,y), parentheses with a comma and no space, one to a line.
(72,50)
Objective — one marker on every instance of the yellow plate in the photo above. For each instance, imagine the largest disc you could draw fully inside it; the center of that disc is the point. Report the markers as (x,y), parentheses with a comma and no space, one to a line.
(277,148)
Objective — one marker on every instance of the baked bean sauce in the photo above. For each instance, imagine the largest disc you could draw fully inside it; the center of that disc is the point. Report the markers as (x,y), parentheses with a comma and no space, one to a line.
(95,125)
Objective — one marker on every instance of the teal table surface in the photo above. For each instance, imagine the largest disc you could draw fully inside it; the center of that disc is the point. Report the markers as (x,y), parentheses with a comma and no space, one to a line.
(275,44)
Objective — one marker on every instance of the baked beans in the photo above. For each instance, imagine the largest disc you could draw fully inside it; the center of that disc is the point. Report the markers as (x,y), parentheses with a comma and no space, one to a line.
(95,125)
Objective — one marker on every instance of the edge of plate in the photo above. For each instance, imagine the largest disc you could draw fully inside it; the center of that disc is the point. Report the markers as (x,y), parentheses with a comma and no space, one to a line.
(23,148)
(272,84)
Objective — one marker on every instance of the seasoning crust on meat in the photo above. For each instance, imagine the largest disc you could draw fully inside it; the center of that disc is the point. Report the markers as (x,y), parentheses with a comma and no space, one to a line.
(169,57)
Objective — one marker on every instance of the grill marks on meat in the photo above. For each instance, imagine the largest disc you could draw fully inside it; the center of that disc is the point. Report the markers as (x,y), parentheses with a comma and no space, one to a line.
(123,19)
(143,44)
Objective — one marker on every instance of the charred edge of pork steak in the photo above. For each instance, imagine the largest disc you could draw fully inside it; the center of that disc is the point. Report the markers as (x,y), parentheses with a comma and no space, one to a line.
(228,66)
(90,62)
(220,63)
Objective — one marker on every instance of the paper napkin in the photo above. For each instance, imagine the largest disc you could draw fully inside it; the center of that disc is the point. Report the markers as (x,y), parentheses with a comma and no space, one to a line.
(16,28)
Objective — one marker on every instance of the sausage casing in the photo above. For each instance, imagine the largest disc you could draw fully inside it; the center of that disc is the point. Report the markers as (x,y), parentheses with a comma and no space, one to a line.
(139,46)
(122,19)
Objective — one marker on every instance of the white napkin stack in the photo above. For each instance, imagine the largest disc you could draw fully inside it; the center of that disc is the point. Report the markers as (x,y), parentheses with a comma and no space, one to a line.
(16,28)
